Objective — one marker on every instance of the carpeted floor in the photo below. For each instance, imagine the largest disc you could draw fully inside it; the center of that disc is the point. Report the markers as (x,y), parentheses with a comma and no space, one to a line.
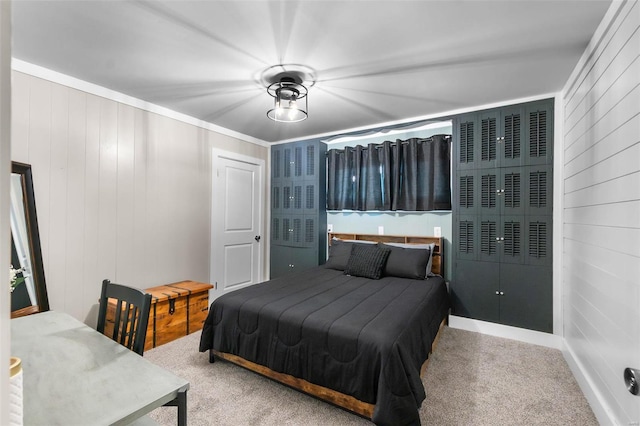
(472,379)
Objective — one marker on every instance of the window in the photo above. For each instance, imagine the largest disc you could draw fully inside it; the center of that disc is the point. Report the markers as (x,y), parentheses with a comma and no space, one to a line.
(409,175)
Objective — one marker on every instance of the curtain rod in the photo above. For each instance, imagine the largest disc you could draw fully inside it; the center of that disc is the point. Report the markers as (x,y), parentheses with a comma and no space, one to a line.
(393,143)
(398,128)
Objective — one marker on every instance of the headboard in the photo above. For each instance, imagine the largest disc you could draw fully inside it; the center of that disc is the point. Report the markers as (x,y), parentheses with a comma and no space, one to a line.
(438,251)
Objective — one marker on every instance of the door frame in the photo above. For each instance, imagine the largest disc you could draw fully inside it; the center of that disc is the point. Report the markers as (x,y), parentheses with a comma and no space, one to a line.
(215,189)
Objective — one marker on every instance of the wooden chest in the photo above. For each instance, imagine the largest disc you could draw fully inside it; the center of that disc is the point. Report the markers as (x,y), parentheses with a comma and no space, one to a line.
(177,309)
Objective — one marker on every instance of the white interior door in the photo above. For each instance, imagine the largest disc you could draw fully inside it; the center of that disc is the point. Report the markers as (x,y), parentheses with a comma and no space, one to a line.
(236,240)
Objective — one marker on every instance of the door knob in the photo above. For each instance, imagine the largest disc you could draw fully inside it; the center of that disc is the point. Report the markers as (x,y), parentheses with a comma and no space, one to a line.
(632,380)
(257,238)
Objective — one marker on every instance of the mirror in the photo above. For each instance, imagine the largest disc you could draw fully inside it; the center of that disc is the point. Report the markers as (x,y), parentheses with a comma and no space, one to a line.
(29,296)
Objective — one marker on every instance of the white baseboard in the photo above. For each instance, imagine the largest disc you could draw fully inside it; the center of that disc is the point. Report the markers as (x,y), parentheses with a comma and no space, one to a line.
(601,410)
(523,335)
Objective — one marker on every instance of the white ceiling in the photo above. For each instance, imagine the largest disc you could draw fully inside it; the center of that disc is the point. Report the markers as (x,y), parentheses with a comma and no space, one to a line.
(374,61)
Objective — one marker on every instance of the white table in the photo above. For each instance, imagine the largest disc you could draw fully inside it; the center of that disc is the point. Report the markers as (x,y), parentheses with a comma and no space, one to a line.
(74,375)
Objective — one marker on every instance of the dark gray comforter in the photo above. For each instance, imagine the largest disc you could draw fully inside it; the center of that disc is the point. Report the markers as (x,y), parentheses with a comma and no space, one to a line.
(365,338)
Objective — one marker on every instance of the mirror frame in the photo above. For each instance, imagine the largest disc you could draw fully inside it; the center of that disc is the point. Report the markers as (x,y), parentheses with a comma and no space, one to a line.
(24,170)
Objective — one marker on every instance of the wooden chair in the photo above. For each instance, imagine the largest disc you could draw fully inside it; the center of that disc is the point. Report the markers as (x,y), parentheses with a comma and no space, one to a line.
(130,329)
(131,315)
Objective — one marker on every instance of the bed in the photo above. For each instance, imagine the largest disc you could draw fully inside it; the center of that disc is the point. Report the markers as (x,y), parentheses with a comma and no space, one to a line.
(339,331)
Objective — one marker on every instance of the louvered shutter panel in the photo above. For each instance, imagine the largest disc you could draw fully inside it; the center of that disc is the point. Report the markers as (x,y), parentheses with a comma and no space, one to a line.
(537,239)
(275,198)
(286,197)
(275,229)
(311,161)
(297,162)
(297,198)
(488,142)
(286,229)
(538,189)
(297,230)
(512,239)
(512,200)
(465,195)
(310,197)
(538,133)
(540,197)
(309,231)
(512,190)
(466,144)
(465,240)
(488,235)
(512,142)
(488,191)
(276,163)
(538,244)
(287,160)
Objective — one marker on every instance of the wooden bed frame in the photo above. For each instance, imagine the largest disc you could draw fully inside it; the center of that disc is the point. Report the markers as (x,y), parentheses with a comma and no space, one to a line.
(342,400)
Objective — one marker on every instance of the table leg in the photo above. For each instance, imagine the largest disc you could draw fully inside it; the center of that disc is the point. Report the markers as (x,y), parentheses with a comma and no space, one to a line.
(182,408)
(181,403)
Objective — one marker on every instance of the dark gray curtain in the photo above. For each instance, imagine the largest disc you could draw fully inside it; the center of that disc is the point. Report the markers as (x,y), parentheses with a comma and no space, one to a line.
(411,175)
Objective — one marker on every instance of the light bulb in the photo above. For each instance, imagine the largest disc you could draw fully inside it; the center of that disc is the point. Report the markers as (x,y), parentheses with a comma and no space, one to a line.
(293,109)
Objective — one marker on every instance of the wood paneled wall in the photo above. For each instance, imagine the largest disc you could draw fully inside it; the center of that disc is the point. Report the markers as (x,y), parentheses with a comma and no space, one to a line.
(601,226)
(121,193)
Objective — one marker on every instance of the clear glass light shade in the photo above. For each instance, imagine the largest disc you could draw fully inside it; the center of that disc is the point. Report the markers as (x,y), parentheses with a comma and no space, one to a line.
(290,101)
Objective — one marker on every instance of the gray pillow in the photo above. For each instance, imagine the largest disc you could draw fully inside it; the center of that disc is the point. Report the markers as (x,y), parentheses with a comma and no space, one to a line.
(407,262)
(367,261)
(339,253)
(430,246)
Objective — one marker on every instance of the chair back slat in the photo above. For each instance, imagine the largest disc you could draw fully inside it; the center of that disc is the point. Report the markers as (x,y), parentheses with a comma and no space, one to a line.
(124,330)
(116,321)
(131,315)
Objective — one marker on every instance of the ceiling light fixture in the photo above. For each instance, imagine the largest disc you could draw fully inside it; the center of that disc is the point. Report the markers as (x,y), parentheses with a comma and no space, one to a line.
(290,100)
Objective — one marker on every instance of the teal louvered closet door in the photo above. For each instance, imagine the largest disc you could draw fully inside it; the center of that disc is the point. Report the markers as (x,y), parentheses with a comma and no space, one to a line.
(298,208)
(502,215)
